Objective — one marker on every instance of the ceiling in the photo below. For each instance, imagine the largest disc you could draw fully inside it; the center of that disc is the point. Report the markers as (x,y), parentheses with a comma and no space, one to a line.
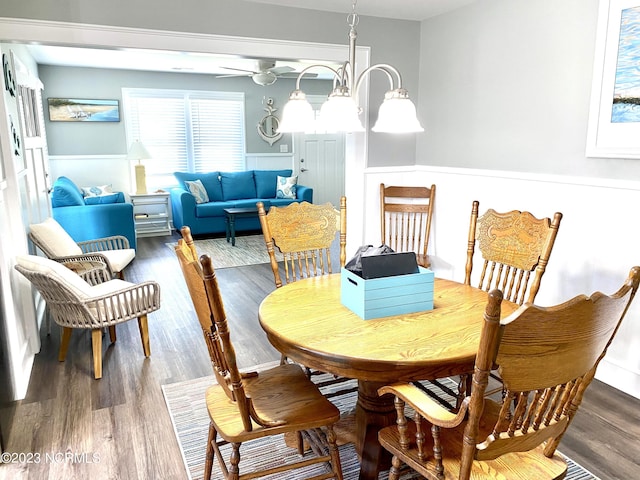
(171,61)
(400,9)
(155,60)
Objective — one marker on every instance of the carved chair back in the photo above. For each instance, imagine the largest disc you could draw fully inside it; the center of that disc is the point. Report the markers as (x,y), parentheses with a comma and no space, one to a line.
(303,233)
(515,248)
(405,219)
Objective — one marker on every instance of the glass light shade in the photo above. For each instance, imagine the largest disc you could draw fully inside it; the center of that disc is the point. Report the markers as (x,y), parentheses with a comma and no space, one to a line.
(340,114)
(397,114)
(264,78)
(297,114)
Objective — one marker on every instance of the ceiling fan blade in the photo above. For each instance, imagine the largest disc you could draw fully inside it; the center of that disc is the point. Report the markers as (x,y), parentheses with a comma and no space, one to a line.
(235,75)
(281,70)
(250,72)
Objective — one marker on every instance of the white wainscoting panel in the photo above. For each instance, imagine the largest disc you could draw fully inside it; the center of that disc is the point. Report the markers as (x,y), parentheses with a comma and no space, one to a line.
(88,170)
(269,161)
(597,243)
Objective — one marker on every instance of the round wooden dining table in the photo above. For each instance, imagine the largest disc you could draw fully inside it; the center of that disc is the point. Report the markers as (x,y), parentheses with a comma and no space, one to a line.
(306,321)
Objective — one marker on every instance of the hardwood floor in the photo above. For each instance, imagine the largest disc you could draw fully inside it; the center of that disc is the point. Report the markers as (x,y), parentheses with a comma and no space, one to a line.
(118,427)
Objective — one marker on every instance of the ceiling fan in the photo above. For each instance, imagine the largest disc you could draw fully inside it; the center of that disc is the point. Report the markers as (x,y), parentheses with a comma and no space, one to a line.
(266,74)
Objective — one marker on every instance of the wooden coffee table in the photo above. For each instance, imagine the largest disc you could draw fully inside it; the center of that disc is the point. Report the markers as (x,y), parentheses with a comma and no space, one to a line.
(230,220)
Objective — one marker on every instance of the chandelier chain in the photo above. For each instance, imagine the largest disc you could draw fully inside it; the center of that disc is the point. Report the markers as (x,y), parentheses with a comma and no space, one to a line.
(352,18)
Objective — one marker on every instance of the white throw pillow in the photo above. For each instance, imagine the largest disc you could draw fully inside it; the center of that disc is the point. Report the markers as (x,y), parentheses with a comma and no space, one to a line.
(97,191)
(198,191)
(286,187)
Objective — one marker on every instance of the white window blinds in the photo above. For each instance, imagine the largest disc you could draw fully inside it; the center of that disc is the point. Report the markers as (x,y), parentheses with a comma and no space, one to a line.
(187,131)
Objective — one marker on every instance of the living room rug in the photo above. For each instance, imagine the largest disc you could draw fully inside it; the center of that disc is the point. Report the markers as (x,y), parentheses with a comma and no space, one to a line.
(249,250)
(188,412)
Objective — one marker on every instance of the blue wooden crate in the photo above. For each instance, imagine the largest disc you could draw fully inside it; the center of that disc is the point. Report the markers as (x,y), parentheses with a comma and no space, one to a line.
(387,296)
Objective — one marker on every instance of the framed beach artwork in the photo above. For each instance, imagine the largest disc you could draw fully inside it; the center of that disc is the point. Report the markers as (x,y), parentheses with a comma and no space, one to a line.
(614,117)
(83,110)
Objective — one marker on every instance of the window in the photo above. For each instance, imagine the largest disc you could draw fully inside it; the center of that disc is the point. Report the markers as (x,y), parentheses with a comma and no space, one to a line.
(187,131)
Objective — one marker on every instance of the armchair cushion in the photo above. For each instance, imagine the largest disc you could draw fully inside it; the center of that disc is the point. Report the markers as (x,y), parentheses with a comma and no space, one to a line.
(119,259)
(52,268)
(66,193)
(102,199)
(54,239)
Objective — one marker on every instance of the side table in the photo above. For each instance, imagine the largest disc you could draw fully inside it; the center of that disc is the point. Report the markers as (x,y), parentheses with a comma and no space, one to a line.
(151,214)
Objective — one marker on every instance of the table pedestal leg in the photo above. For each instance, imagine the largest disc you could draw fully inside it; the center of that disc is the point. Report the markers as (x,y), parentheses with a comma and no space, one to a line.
(372,414)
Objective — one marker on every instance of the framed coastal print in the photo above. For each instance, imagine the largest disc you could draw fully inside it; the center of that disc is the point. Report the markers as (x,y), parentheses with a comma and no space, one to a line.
(83,110)
(614,116)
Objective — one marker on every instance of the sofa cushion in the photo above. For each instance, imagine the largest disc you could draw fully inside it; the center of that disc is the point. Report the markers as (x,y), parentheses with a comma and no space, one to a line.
(197,190)
(286,187)
(66,193)
(102,199)
(212,209)
(237,185)
(210,181)
(266,181)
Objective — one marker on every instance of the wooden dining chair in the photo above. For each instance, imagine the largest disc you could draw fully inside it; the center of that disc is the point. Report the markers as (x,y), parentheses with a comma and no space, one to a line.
(514,248)
(547,357)
(303,233)
(405,219)
(247,406)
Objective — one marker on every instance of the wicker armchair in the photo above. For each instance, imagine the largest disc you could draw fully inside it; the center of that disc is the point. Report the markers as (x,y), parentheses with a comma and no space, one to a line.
(58,245)
(75,303)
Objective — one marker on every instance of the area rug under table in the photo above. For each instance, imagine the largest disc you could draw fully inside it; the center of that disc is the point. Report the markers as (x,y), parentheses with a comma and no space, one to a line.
(186,405)
(249,250)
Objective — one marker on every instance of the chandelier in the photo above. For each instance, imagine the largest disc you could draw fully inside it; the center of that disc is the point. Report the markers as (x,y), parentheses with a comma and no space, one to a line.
(341,112)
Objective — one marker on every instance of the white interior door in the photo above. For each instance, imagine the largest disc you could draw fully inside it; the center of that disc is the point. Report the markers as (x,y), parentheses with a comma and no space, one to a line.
(320,165)
(34,179)
(19,319)
(320,160)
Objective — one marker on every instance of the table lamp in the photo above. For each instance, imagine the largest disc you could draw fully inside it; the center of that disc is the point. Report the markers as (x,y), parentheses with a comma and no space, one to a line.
(137,151)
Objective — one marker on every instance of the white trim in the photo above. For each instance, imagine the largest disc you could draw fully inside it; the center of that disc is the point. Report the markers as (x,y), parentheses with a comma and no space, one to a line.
(84,34)
(512,175)
(121,156)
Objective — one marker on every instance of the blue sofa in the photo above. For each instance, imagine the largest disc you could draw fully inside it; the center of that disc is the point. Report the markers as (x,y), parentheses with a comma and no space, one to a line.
(91,217)
(228,190)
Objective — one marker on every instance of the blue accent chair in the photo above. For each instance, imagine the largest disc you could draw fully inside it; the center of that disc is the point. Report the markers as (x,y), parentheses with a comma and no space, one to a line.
(89,218)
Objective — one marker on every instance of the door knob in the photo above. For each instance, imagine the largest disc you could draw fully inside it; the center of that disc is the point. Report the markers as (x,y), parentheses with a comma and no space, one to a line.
(304,169)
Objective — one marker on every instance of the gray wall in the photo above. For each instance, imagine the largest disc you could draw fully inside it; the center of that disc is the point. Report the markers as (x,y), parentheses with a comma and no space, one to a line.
(506,85)
(94,138)
(391,41)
